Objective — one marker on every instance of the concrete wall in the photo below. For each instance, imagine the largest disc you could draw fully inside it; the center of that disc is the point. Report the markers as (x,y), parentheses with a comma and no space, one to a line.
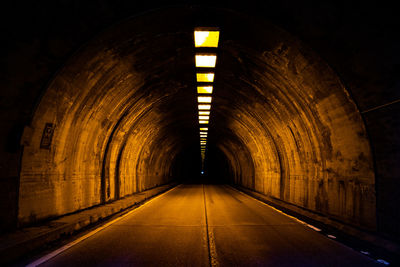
(299,136)
(107,141)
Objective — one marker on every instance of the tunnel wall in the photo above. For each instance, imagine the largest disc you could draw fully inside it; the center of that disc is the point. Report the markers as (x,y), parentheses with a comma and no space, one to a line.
(300,133)
(106,141)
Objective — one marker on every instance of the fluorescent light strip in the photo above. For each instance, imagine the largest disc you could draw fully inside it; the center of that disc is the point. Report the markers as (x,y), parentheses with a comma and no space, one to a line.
(205,77)
(204,112)
(204,107)
(203,122)
(206,38)
(205,60)
(204,117)
(204,99)
(204,89)
(204,129)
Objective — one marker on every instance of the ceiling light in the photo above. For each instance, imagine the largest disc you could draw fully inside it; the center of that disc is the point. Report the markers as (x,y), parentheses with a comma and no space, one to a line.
(204,89)
(204,107)
(203,122)
(205,77)
(204,99)
(204,117)
(206,60)
(204,112)
(206,38)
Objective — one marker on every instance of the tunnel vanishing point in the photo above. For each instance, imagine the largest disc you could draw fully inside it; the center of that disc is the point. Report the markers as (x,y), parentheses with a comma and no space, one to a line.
(305,108)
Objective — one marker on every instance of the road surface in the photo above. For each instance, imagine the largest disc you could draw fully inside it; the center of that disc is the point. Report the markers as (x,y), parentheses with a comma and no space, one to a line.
(208,225)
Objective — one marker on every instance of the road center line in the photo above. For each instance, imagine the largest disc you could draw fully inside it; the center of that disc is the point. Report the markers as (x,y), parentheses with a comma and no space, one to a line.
(212,251)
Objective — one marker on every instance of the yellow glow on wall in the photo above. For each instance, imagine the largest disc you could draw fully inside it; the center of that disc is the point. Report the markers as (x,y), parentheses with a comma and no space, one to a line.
(206,61)
(203,122)
(204,99)
(206,38)
(204,112)
(204,89)
(204,117)
(204,107)
(205,77)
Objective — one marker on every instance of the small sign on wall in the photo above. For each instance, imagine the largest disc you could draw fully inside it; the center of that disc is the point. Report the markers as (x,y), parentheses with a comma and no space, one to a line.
(47,136)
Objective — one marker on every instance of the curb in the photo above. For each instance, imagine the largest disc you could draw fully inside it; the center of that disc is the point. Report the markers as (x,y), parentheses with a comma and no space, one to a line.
(23,241)
(371,238)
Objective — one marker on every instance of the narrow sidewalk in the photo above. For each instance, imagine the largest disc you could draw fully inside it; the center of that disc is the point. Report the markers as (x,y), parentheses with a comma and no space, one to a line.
(17,244)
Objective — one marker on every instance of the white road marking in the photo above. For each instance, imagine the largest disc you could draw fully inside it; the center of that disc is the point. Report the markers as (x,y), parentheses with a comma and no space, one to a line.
(73,243)
(383,261)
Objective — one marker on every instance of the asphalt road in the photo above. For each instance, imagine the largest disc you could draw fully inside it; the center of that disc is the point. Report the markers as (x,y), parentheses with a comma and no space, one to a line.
(208,225)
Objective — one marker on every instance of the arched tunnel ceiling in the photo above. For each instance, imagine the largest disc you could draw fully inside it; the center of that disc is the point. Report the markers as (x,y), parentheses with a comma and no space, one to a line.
(124,107)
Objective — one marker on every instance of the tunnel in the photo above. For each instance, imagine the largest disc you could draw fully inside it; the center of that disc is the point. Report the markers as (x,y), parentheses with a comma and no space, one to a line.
(119,117)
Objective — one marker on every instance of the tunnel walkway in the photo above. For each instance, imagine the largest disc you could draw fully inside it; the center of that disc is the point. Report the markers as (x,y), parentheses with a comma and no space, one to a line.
(208,225)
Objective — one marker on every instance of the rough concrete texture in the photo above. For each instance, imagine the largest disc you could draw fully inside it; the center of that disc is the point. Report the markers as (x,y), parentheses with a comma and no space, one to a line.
(122,105)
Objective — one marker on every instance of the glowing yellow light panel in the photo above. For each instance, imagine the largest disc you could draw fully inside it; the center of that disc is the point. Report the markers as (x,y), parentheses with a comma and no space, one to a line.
(204,107)
(204,112)
(204,89)
(205,61)
(205,77)
(206,38)
(204,99)
(204,129)
(203,122)
(204,117)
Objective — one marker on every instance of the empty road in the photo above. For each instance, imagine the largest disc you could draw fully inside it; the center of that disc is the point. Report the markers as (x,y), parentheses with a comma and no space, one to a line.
(208,225)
